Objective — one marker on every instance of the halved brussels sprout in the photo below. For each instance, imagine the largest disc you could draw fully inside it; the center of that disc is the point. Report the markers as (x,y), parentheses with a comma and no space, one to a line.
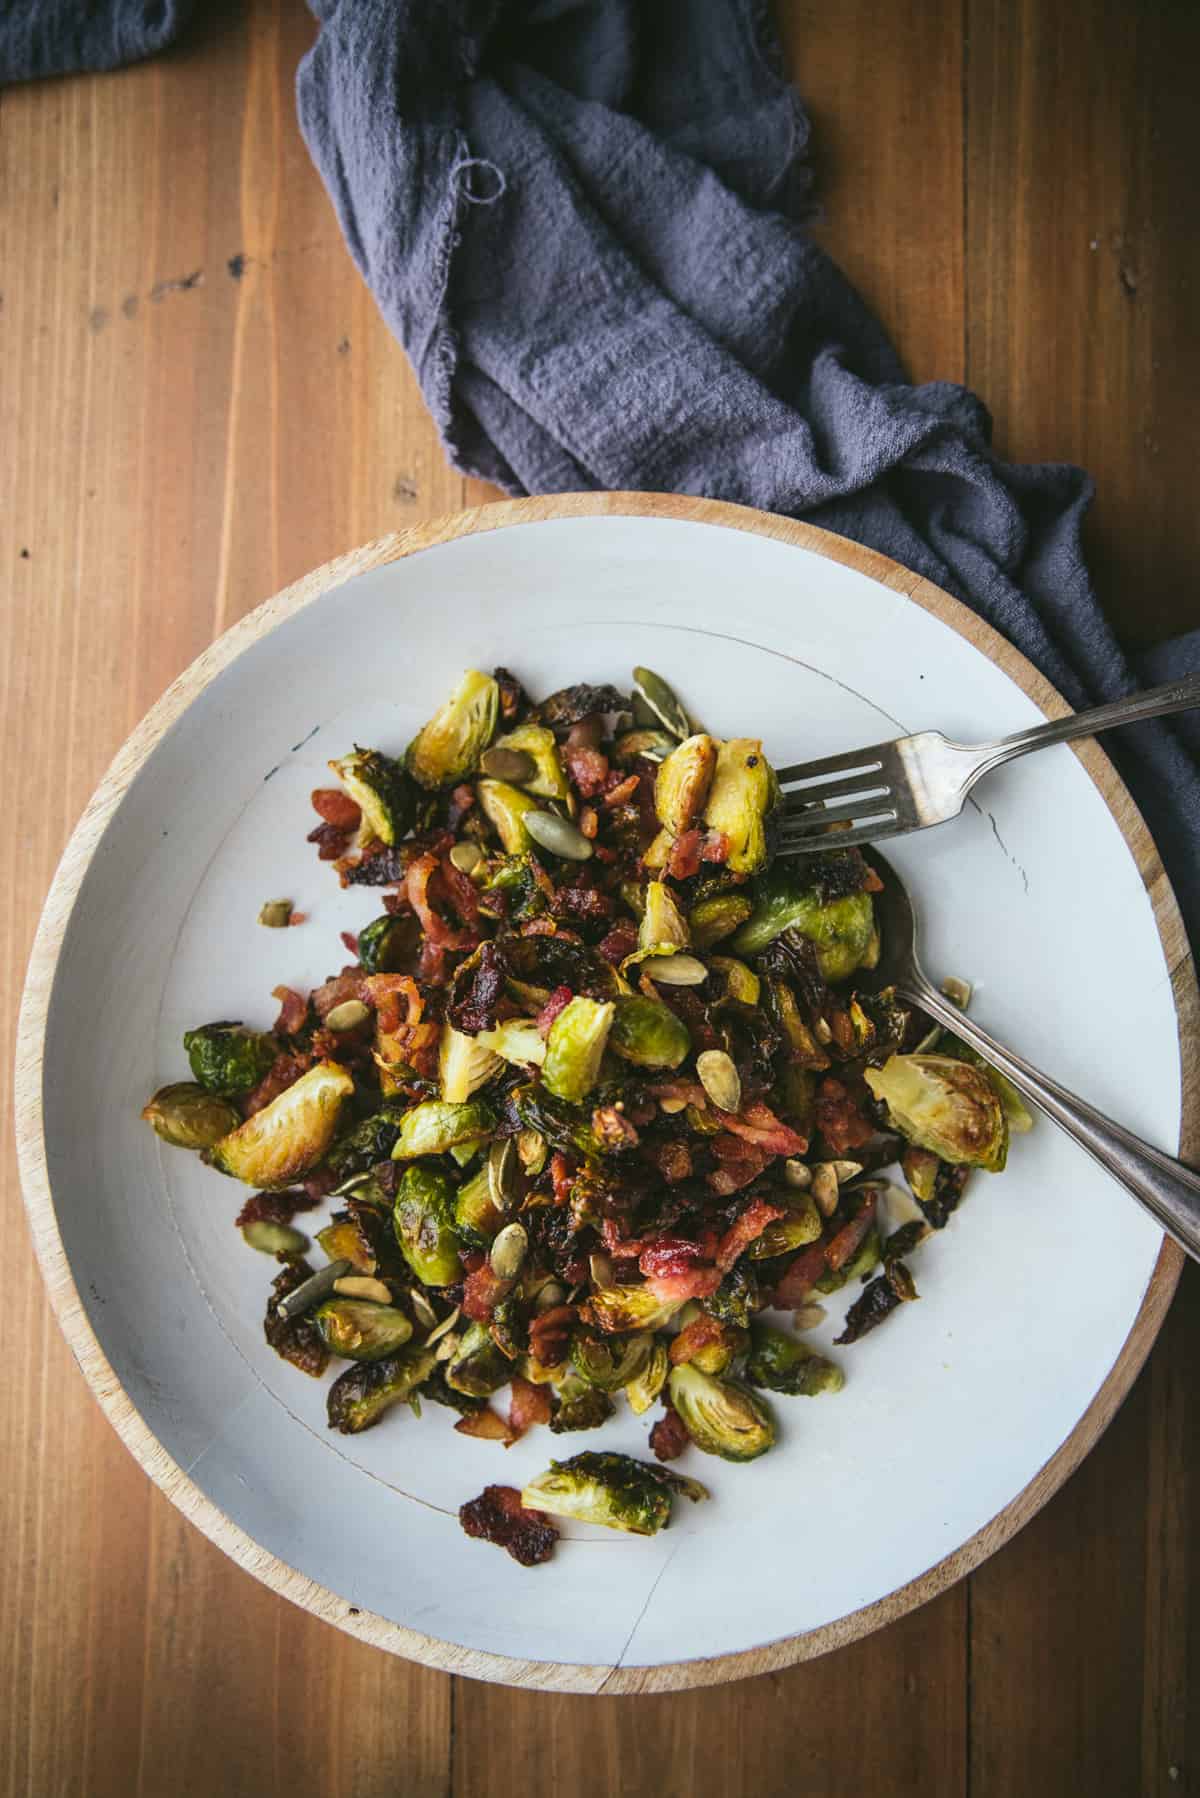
(359,1397)
(841,930)
(370,1141)
(549,782)
(662,924)
(578,1406)
(475,1215)
(648,1033)
(743,791)
(719,1348)
(721,1416)
(477,1366)
(423,1220)
(382,792)
(946,1105)
(609,1363)
(507,808)
(446,749)
(346,1239)
(717,917)
(291,1134)
(623,1308)
(189,1117)
(228,1059)
(680,789)
(614,1490)
(388,945)
(434,1127)
(575,1047)
(464,1065)
(803,1224)
(1020,1120)
(781,1364)
(517,1040)
(358,1330)
(645,1386)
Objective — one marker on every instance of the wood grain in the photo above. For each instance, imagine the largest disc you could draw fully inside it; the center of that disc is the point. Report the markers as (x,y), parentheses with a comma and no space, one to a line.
(166,465)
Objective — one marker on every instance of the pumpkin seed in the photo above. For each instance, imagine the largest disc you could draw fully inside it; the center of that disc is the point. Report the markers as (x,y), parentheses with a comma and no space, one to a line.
(531,1151)
(797,1174)
(347,1016)
(654,693)
(822,1032)
(447,1323)
(957,991)
(362,1286)
(513,765)
(558,835)
(509,1251)
(276,914)
(675,970)
(653,744)
(601,1268)
(552,1294)
(274,1239)
(720,1079)
(845,1170)
(672,1107)
(825,1188)
(808,1317)
(448,1347)
(502,1173)
(426,1315)
(465,856)
(311,1292)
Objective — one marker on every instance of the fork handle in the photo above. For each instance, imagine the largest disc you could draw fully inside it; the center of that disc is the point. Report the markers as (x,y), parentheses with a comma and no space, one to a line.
(1167,1189)
(1157,702)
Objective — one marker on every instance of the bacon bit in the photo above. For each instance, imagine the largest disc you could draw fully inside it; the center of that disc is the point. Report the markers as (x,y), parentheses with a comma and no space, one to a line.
(487,1425)
(587,768)
(431,964)
(583,902)
(613,1128)
(620,942)
(715,847)
(562,1176)
(384,993)
(621,1247)
(336,991)
(801,1276)
(558,1001)
(337,808)
(482,1292)
(293,1011)
(839,1118)
(297,917)
(416,884)
(530,1405)
(589,822)
(851,1236)
(672,1159)
(675,1269)
(740,1163)
(758,1124)
(748,1227)
(872,882)
(461,801)
(350,943)
(320,1183)
(274,1207)
(684,859)
(498,1516)
(669,1436)
(549,1333)
(623,792)
(464,895)
(332,843)
(695,1336)
(283,1072)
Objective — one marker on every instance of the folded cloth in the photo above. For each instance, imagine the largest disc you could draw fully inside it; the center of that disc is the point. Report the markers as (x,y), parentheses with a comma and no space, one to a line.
(59,37)
(584,220)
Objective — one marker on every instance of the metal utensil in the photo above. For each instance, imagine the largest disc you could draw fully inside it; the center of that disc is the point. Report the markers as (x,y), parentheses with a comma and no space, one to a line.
(916,781)
(1167,1189)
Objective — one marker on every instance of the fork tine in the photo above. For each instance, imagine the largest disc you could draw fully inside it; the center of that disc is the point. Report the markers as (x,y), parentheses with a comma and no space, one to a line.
(795,824)
(857,761)
(841,839)
(799,801)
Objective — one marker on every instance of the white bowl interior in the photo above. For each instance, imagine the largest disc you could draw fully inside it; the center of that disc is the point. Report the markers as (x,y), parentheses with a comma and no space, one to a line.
(948,1411)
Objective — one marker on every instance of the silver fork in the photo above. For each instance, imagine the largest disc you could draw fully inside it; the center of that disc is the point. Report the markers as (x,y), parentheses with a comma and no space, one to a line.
(916,781)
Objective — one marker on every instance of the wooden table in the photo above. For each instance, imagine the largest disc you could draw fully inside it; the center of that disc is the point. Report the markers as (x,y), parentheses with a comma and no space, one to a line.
(198,403)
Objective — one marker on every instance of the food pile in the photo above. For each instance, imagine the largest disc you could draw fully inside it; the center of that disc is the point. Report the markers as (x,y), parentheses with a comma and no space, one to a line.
(597,1091)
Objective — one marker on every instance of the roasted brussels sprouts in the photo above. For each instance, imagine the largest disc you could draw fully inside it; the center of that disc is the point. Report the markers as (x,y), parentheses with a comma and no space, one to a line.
(743,791)
(477,1366)
(424,1223)
(1019,1118)
(189,1117)
(227,1059)
(360,1396)
(517,1040)
(721,1416)
(717,917)
(388,945)
(737,1298)
(574,1048)
(549,780)
(662,926)
(434,1127)
(382,792)
(610,1362)
(464,1065)
(648,1033)
(291,1134)
(346,1239)
(371,1140)
(577,1406)
(475,1215)
(614,1490)
(721,1342)
(863,1261)
(572,704)
(506,808)
(945,1105)
(680,789)
(741,983)
(622,1308)
(802,1224)
(435,1388)
(446,749)
(360,1331)
(562,1126)
(841,930)
(779,1363)
(645,1386)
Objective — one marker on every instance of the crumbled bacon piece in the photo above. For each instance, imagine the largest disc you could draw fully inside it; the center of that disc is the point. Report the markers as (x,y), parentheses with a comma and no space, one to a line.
(464,894)
(587,769)
(336,991)
(562,1176)
(350,942)
(747,1229)
(498,1516)
(669,1437)
(800,1278)
(676,1268)
(871,882)
(297,917)
(622,792)
(684,859)
(715,847)
(740,1162)
(283,1072)
(336,808)
(582,902)
(421,872)
(850,1238)
(331,842)
(558,1001)
(293,1012)
(482,1292)
(620,942)
(487,1425)
(840,1119)
(461,801)
(549,1333)
(530,1405)
(613,1128)
(757,1124)
(274,1207)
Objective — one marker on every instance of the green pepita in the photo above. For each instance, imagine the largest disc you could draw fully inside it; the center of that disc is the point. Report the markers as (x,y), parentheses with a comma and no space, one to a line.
(675,970)
(558,835)
(720,1079)
(347,1016)
(659,699)
(466,856)
(515,765)
(509,1251)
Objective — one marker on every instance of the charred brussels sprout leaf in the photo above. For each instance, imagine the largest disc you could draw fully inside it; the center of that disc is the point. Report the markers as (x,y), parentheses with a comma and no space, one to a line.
(936,1185)
(574,1048)
(189,1117)
(717,917)
(945,1105)
(648,1033)
(721,1417)
(435,1388)
(360,1331)
(578,1406)
(434,1127)
(449,746)
(382,792)
(388,945)
(613,1490)
(226,1059)
(781,1364)
(506,809)
(841,930)
(548,780)
(742,793)
(477,1367)
(737,1298)
(610,1363)
(475,1215)
(291,1134)
(359,1397)
(621,1308)
(346,1239)
(464,1065)
(424,1224)
(517,1040)
(296,1339)
(646,1386)
(572,704)
(563,1126)
(802,1224)
(370,1141)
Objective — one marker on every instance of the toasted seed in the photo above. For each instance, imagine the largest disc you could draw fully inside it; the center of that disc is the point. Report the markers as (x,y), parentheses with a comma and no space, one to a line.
(654,744)
(531,1151)
(304,1297)
(509,1251)
(426,1315)
(448,1347)
(845,1170)
(447,1323)
(601,1269)
(552,1294)
(825,1188)
(672,1107)
(797,1174)
(957,991)
(558,835)
(720,1079)
(274,1239)
(502,1173)
(347,1016)
(351,1185)
(675,970)
(514,765)
(276,914)
(822,1032)
(659,699)
(362,1286)
(465,856)
(808,1317)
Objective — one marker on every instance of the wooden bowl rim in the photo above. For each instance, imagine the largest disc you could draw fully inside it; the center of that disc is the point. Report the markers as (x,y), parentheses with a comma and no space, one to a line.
(73,1319)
